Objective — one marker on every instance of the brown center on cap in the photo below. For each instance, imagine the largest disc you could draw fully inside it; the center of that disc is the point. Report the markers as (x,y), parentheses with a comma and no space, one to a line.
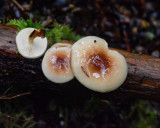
(98,64)
(59,62)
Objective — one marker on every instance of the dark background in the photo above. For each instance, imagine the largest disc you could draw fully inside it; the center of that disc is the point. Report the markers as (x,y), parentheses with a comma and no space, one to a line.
(132,25)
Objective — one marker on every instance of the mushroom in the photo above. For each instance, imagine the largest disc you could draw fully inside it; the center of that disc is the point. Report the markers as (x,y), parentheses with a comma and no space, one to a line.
(97,67)
(56,64)
(31,43)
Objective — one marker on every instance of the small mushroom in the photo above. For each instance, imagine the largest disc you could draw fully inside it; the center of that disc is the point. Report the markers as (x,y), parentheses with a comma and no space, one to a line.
(31,43)
(97,67)
(56,64)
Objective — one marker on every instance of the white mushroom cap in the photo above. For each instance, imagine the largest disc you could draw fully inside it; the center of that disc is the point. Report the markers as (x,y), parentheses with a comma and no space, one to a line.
(56,64)
(97,67)
(30,49)
(57,45)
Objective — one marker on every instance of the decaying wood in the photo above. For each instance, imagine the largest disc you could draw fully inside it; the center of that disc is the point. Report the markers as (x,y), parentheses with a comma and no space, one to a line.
(143,71)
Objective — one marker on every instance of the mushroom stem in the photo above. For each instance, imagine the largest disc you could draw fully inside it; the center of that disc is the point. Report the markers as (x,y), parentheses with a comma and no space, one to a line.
(28,45)
(36,33)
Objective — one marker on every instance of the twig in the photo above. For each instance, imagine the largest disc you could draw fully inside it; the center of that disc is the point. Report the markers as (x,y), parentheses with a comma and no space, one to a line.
(84,71)
(105,101)
(18,5)
(47,22)
(14,97)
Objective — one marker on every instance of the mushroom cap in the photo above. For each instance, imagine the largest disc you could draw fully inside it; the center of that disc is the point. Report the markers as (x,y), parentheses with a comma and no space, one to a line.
(57,45)
(28,50)
(56,64)
(97,67)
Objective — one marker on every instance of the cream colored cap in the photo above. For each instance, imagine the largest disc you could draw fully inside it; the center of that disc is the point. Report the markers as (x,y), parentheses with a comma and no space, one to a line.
(97,67)
(56,64)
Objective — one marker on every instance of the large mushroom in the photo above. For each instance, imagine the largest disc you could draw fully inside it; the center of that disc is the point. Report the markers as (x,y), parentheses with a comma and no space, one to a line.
(56,64)
(97,67)
(31,43)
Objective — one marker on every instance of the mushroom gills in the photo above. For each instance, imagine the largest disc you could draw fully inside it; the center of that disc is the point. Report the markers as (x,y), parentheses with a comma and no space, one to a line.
(29,46)
(97,67)
(57,45)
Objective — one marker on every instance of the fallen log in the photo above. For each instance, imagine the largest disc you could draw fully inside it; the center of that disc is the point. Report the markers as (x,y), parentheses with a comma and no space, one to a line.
(143,71)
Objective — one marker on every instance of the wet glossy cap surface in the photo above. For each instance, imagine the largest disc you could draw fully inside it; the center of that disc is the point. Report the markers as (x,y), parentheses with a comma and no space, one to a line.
(56,64)
(97,67)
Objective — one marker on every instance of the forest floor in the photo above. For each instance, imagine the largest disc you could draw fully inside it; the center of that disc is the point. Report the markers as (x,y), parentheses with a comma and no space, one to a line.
(129,25)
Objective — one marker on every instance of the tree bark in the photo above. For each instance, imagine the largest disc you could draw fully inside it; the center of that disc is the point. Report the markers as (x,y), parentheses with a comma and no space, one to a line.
(143,78)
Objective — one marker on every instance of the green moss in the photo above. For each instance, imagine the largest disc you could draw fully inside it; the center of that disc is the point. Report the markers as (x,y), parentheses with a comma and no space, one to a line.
(54,34)
(22,23)
(59,32)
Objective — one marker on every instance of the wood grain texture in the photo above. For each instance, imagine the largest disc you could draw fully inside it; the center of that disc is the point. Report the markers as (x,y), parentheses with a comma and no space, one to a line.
(143,78)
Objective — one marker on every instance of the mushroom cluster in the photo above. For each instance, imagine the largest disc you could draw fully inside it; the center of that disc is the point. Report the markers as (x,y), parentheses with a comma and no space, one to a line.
(89,59)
